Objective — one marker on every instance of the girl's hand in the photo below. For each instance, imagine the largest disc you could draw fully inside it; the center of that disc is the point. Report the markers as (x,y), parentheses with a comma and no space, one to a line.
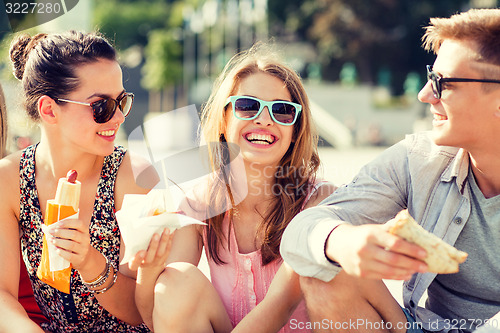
(72,240)
(156,255)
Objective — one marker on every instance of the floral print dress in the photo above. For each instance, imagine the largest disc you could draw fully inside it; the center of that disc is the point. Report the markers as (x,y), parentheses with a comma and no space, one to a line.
(78,311)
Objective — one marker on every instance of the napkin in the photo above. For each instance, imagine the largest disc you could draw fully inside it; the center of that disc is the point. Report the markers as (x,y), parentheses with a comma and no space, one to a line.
(143,215)
(56,262)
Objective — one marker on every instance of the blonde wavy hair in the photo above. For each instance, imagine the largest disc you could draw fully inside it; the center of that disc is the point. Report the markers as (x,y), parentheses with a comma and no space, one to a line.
(479,25)
(302,154)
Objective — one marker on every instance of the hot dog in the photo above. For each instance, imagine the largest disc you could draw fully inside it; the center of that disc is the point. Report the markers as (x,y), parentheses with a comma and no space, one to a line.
(64,205)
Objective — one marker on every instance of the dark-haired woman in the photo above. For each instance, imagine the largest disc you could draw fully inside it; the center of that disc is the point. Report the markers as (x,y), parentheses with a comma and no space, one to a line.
(73,88)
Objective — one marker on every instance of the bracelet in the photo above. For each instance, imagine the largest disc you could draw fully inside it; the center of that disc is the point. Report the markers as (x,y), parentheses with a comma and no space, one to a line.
(334,263)
(101,278)
(103,290)
(100,275)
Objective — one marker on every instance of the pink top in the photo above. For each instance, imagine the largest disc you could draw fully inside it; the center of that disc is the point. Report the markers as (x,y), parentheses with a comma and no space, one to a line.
(243,281)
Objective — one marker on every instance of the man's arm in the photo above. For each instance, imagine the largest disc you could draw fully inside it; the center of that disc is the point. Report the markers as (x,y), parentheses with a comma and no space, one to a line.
(314,239)
(303,243)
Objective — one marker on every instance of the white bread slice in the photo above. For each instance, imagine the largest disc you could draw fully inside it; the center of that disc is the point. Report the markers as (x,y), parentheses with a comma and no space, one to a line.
(442,258)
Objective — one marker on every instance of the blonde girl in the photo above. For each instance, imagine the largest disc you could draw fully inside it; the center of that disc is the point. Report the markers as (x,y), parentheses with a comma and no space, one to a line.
(258,112)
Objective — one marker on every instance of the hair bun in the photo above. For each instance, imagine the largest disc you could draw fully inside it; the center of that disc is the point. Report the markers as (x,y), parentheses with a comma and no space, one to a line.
(19,51)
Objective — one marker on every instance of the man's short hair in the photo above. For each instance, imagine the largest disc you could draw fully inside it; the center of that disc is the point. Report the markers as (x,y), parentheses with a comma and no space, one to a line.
(479,25)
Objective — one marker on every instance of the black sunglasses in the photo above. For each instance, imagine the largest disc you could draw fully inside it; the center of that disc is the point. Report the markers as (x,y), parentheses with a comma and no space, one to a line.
(104,109)
(437,81)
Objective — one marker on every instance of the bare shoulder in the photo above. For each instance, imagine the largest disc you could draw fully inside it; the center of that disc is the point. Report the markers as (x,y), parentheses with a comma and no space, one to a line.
(323,192)
(9,222)
(195,199)
(135,175)
(9,194)
(9,178)
(10,163)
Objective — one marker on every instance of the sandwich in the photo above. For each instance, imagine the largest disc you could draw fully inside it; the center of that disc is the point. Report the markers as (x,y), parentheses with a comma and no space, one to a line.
(442,258)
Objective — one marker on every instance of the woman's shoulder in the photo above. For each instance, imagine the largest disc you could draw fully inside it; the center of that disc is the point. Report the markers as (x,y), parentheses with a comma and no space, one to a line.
(129,178)
(321,190)
(140,169)
(195,199)
(9,178)
(9,167)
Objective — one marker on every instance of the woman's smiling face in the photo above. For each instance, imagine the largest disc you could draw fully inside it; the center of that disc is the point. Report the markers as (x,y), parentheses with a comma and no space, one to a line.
(260,140)
(98,80)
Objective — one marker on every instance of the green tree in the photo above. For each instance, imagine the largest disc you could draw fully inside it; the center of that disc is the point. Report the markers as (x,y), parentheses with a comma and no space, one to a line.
(153,26)
(163,66)
(373,35)
(129,22)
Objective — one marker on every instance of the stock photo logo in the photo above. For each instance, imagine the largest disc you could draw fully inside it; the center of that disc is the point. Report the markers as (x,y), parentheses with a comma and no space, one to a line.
(18,15)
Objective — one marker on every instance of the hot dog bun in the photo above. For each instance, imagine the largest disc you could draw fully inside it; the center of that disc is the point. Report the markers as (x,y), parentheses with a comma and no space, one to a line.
(64,205)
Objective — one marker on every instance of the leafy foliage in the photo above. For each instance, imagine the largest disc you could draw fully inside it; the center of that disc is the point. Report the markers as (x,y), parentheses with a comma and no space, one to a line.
(163,65)
(380,37)
(152,25)
(129,22)
(377,36)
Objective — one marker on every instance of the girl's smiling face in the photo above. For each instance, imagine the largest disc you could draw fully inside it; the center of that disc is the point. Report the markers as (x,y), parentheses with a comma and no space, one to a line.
(261,140)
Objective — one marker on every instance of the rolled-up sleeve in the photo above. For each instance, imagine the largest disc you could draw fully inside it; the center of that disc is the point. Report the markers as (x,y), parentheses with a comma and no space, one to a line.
(376,194)
(303,243)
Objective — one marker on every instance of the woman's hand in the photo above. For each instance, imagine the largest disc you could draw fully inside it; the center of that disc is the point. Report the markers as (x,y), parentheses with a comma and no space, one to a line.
(153,259)
(72,240)
(149,265)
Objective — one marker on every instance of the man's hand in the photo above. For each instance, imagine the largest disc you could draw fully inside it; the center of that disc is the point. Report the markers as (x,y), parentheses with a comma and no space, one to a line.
(369,251)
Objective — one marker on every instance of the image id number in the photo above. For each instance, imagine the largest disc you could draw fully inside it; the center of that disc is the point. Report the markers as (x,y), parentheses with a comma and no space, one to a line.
(32,8)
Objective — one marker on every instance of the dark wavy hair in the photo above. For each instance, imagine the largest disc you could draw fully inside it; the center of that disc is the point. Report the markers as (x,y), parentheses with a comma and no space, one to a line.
(46,63)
